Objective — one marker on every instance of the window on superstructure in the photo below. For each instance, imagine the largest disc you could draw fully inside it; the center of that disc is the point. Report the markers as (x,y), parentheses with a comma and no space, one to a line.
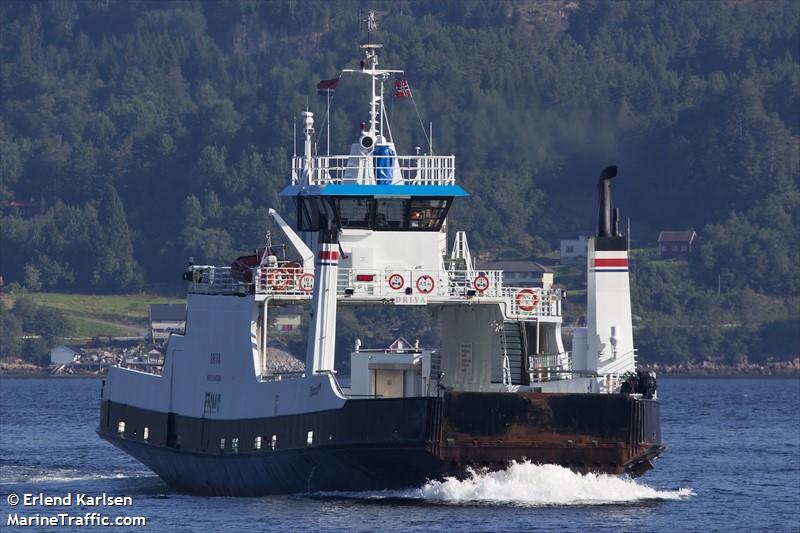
(146,433)
(273,443)
(354,212)
(312,212)
(235,444)
(426,213)
(390,214)
(305,220)
(222,444)
(257,443)
(121,427)
(310,438)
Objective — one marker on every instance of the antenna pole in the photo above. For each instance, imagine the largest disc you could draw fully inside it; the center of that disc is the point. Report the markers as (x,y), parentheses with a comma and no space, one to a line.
(328,119)
(382,110)
(430,136)
(373,112)
(629,234)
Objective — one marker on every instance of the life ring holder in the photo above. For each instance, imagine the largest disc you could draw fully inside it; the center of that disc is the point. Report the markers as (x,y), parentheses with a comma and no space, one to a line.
(525,294)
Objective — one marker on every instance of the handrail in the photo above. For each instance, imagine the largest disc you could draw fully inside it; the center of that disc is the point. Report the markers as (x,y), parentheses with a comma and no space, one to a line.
(385,285)
(361,169)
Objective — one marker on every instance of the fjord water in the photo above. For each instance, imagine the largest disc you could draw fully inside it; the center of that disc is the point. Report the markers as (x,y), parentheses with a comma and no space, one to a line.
(732,463)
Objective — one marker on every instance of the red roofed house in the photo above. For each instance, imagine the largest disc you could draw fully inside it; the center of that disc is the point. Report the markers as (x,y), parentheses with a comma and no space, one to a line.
(676,243)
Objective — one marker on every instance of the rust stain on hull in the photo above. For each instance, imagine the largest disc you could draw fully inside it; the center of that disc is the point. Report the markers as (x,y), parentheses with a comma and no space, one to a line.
(612,433)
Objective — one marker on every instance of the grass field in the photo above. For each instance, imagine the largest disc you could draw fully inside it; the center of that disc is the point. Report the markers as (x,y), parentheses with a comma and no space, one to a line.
(123,308)
(117,315)
(86,328)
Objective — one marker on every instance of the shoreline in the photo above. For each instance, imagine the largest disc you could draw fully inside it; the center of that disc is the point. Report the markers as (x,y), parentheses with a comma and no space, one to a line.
(717,374)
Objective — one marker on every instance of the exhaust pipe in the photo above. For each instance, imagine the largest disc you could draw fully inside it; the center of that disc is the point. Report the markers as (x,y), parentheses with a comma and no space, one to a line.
(604,223)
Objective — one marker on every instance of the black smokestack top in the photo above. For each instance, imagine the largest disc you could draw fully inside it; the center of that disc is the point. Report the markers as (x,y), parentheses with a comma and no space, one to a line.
(604,224)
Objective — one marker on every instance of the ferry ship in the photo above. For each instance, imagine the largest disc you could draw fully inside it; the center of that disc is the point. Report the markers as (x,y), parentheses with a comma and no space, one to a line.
(371,231)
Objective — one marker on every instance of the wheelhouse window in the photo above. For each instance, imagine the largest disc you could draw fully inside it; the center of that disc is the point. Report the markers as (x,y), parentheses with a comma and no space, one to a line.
(426,213)
(390,214)
(379,214)
(313,211)
(354,212)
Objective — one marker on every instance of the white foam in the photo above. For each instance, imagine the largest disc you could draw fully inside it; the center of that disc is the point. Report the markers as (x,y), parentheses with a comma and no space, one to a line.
(528,484)
(531,484)
(63,475)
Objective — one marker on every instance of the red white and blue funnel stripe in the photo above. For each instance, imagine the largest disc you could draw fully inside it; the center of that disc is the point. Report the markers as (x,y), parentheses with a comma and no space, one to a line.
(329,255)
(610,264)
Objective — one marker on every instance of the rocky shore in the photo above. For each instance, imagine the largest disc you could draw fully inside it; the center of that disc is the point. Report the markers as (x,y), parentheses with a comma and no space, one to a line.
(279,362)
(713,369)
(18,367)
(284,362)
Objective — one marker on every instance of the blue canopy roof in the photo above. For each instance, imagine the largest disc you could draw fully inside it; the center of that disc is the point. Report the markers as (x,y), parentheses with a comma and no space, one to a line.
(341,189)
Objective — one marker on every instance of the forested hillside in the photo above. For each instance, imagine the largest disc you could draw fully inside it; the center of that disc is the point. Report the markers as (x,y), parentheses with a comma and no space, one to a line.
(136,134)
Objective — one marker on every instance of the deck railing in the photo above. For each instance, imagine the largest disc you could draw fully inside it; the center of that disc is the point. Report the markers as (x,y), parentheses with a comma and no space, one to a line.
(549,367)
(399,286)
(370,169)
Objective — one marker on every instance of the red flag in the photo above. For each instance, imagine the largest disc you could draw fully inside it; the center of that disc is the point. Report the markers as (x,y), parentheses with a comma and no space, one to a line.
(402,89)
(326,87)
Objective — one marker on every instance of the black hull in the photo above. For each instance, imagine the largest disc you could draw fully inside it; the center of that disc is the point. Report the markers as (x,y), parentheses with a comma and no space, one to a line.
(390,443)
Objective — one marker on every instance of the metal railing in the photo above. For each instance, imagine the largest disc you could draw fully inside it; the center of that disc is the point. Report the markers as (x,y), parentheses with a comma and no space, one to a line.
(207,279)
(361,169)
(385,285)
(431,284)
(549,367)
(527,301)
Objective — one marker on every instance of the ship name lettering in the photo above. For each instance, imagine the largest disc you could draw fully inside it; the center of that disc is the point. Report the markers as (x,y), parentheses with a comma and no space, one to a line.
(212,402)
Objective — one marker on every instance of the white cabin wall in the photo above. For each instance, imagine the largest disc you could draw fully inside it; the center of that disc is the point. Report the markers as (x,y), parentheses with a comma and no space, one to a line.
(410,250)
(469,328)
(579,351)
(223,325)
(551,342)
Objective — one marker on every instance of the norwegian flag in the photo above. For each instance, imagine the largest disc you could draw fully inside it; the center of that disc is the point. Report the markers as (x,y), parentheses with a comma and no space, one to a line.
(327,87)
(402,89)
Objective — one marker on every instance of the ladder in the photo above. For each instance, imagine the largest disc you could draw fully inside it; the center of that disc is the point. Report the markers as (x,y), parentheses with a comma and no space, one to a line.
(507,367)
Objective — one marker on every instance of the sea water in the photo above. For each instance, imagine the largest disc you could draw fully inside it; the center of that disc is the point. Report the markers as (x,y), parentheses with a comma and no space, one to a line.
(732,463)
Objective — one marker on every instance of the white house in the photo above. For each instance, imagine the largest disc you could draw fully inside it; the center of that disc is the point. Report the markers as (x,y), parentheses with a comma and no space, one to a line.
(288,318)
(62,355)
(521,273)
(165,319)
(573,249)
